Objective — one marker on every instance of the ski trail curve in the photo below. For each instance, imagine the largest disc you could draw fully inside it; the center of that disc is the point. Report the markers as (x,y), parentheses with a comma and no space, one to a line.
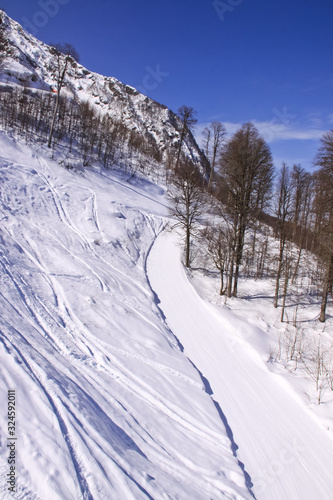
(284,450)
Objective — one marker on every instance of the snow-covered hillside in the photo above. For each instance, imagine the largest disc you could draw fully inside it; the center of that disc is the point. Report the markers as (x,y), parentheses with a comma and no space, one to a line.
(130,383)
(108,407)
(31,64)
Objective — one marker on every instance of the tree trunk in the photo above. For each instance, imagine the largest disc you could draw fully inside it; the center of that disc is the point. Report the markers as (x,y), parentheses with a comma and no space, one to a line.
(222,284)
(285,288)
(278,276)
(235,288)
(326,289)
(322,317)
(239,255)
(231,275)
(211,173)
(53,120)
(232,261)
(254,241)
(187,247)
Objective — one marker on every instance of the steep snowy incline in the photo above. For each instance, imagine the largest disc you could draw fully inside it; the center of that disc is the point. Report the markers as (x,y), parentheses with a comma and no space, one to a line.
(285,452)
(108,405)
(32,64)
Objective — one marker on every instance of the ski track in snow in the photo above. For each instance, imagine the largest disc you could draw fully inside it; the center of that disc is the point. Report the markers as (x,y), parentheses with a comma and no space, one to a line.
(64,217)
(130,422)
(104,391)
(283,448)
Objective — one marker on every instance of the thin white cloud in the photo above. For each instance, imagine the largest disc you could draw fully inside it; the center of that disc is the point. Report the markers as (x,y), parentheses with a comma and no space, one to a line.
(272,131)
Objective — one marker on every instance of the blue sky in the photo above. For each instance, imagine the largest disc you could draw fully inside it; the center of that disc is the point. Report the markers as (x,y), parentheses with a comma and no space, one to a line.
(266,61)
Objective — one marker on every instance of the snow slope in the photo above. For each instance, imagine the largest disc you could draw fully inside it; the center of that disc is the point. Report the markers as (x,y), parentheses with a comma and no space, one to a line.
(32,64)
(286,452)
(108,407)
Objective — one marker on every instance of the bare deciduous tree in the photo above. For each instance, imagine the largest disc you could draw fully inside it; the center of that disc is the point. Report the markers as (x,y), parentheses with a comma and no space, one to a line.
(188,119)
(206,141)
(246,174)
(219,243)
(213,136)
(186,197)
(284,215)
(66,56)
(324,208)
(317,364)
(287,271)
(302,184)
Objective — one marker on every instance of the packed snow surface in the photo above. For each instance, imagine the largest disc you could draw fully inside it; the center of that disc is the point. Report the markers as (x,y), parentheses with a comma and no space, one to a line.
(108,406)
(286,452)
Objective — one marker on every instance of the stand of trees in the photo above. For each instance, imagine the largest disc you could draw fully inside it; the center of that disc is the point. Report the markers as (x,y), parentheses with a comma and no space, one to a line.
(239,187)
(323,205)
(213,136)
(246,177)
(187,201)
(66,56)
(31,113)
(240,182)
(283,219)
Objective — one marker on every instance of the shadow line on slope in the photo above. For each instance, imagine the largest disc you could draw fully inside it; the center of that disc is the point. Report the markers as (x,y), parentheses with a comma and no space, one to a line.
(207,387)
(234,445)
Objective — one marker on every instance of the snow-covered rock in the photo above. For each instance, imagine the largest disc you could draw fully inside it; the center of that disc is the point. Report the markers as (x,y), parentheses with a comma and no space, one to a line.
(31,63)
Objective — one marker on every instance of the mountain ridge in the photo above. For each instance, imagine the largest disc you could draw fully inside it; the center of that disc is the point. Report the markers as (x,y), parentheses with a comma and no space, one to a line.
(30,63)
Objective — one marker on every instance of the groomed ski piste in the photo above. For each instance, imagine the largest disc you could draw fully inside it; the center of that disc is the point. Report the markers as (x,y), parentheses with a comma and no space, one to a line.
(286,453)
(129,384)
(108,407)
